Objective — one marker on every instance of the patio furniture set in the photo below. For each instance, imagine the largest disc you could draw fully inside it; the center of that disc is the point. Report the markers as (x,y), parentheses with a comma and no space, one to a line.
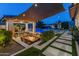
(29,38)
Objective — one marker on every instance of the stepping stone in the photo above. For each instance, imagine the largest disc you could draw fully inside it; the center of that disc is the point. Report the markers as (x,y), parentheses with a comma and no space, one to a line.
(67,35)
(62,46)
(57,44)
(55,52)
(64,41)
(63,37)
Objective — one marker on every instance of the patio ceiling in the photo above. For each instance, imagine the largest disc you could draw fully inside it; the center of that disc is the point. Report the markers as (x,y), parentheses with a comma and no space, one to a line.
(40,11)
(43,10)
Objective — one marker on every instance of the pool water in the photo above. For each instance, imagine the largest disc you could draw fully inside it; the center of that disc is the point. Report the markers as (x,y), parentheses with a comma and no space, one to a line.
(48,29)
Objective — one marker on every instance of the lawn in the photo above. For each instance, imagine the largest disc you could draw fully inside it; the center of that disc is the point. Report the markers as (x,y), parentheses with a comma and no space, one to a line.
(74,50)
(30,52)
(75,34)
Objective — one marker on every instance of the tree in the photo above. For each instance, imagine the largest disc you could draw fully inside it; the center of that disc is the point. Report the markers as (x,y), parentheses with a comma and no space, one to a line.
(65,25)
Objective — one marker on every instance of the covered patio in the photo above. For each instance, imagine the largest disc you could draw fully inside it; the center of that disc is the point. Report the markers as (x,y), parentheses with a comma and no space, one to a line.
(17,25)
(23,28)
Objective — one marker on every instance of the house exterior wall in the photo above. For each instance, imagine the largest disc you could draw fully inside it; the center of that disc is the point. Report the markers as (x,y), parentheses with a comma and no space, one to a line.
(74,12)
(77,20)
(10,26)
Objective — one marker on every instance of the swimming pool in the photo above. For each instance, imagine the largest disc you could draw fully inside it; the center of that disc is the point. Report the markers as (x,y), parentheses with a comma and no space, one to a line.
(48,29)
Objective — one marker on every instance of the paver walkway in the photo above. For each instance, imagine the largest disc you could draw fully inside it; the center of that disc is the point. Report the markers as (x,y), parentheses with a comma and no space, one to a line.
(55,52)
(61,47)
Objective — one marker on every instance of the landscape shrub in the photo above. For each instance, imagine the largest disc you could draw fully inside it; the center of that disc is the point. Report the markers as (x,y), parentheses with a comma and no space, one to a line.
(47,35)
(5,37)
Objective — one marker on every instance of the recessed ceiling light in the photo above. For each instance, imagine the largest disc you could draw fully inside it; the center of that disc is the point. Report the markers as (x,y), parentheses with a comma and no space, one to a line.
(36,5)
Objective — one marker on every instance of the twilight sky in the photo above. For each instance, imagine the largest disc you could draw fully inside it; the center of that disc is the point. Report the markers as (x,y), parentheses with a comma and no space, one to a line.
(18,8)
(62,16)
(13,8)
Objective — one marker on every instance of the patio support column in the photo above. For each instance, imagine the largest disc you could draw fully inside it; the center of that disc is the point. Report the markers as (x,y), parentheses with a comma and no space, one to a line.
(26,27)
(34,27)
(60,25)
(76,22)
(7,25)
